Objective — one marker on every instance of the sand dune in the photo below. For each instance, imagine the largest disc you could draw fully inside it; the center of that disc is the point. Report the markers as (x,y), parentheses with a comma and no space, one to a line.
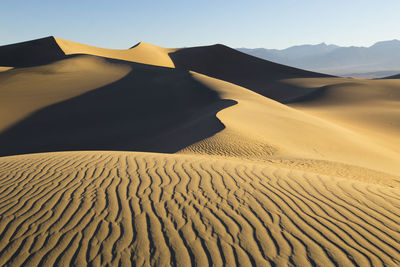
(370,107)
(30,53)
(27,90)
(260,76)
(149,108)
(5,68)
(217,61)
(240,177)
(157,209)
(50,49)
(141,53)
(130,107)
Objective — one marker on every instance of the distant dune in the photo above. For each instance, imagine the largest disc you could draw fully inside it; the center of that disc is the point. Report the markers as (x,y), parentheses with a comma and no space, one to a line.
(253,163)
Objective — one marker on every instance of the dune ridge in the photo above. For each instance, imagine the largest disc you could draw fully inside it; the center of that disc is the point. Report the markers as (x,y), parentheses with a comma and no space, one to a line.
(31,53)
(141,53)
(227,64)
(157,209)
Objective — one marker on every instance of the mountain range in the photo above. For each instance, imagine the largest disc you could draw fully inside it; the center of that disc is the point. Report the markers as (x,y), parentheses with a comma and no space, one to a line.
(379,60)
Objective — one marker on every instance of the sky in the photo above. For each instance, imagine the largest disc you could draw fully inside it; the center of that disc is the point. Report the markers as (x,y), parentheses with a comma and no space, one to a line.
(271,24)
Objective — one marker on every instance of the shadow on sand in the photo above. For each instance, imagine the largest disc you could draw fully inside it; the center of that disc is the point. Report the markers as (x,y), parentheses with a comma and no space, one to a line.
(151,109)
(258,75)
(31,53)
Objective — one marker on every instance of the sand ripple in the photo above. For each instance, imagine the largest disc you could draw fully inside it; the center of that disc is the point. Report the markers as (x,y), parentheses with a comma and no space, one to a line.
(115,208)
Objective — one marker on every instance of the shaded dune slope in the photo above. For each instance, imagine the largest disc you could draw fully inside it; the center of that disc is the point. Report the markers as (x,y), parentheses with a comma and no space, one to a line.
(31,53)
(26,90)
(216,61)
(150,108)
(153,209)
(258,75)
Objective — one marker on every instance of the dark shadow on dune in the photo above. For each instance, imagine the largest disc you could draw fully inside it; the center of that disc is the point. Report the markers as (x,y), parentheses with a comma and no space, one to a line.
(31,53)
(258,75)
(151,109)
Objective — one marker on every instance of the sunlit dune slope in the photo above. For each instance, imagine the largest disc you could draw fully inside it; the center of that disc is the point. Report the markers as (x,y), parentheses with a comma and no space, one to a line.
(148,108)
(155,209)
(258,75)
(50,49)
(370,107)
(2,68)
(141,53)
(258,128)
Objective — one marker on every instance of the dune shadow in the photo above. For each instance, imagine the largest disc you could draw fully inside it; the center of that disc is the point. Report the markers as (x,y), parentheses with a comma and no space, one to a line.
(31,53)
(258,75)
(153,109)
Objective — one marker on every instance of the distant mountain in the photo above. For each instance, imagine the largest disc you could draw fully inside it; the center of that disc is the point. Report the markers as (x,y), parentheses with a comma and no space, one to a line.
(397,76)
(379,60)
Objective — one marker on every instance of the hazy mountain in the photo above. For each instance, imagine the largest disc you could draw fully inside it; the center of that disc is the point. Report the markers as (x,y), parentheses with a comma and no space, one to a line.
(378,60)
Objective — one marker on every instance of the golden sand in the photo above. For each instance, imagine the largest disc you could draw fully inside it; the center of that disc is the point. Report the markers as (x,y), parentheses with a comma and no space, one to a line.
(213,158)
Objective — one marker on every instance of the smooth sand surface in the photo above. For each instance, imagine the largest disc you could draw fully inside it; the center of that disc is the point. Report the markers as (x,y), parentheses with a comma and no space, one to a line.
(371,107)
(253,163)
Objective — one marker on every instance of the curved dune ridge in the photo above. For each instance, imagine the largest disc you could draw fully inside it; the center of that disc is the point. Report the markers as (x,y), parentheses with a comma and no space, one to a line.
(141,53)
(157,209)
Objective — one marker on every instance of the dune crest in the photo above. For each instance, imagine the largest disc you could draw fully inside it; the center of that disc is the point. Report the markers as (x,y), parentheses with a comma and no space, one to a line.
(141,53)
(261,76)
(31,53)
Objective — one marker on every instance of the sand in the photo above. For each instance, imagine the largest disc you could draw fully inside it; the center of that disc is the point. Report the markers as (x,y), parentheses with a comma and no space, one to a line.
(142,52)
(198,156)
(2,68)
(160,209)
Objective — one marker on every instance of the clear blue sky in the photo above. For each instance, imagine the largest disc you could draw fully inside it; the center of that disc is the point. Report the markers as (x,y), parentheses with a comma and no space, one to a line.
(270,24)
